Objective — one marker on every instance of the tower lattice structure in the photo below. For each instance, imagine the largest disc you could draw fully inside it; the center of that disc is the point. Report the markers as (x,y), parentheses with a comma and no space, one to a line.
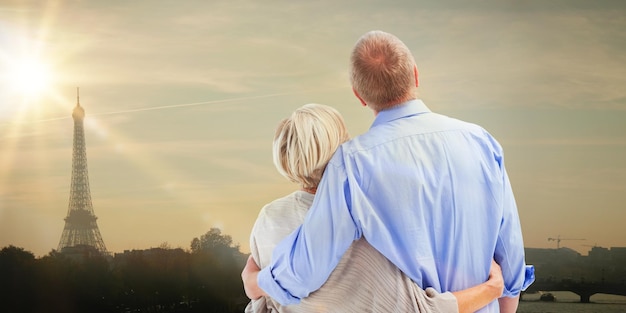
(80,224)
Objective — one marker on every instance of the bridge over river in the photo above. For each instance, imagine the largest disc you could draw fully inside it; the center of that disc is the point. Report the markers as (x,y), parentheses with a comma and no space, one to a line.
(583,289)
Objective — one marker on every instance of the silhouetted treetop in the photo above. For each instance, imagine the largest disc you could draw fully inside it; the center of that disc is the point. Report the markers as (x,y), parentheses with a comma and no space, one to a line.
(15,255)
(211,240)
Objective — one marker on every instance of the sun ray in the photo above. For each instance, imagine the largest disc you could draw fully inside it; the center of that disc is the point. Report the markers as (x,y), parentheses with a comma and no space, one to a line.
(16,131)
(9,142)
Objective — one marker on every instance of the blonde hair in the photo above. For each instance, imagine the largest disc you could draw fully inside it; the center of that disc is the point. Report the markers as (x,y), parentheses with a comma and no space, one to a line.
(382,70)
(305,142)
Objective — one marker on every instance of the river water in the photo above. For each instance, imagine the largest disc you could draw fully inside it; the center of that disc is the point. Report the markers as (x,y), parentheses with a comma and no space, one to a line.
(567,302)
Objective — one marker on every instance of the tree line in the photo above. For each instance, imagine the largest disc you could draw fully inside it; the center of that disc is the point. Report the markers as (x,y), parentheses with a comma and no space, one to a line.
(205,278)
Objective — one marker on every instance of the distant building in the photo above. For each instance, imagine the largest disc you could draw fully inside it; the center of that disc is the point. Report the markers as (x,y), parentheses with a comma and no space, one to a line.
(80,253)
(618,254)
(601,265)
(599,254)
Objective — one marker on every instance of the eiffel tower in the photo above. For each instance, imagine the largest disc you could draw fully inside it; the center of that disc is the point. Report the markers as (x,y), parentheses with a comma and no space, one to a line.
(80,224)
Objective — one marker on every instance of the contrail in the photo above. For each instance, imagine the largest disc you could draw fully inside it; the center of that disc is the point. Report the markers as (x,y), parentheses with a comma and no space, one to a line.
(198,103)
(171,106)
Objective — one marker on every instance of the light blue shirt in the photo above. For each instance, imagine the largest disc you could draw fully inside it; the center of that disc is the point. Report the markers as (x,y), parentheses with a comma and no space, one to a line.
(430,192)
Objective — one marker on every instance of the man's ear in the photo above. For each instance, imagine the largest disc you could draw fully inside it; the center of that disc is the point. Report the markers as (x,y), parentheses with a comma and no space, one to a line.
(417,81)
(359,97)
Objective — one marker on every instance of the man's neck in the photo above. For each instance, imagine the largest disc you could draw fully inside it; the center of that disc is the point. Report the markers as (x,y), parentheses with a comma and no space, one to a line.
(393,105)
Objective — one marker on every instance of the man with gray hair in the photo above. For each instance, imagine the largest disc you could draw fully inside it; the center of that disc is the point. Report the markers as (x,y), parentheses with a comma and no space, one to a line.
(430,192)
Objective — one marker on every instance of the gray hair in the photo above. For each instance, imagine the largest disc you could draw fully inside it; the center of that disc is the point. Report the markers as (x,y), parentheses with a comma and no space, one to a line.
(305,142)
(382,70)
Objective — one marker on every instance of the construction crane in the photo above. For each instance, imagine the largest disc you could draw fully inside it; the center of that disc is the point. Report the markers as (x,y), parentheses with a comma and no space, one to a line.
(558,240)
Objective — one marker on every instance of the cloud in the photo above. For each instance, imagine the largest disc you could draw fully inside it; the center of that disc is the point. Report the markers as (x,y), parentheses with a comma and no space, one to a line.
(567,58)
(572,141)
(605,181)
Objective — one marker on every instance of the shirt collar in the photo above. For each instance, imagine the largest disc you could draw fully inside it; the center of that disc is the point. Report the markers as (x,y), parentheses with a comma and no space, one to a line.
(406,109)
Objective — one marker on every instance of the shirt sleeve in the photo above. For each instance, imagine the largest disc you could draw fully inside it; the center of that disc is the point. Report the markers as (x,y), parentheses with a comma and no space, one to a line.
(303,261)
(510,246)
(431,301)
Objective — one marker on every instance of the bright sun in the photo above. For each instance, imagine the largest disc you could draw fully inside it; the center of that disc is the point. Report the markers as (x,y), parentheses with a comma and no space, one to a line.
(29,76)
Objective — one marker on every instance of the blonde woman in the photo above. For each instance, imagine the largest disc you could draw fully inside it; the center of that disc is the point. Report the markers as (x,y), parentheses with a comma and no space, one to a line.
(364,280)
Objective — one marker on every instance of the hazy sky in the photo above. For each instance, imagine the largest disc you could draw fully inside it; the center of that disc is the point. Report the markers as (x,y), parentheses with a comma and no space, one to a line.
(182,98)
